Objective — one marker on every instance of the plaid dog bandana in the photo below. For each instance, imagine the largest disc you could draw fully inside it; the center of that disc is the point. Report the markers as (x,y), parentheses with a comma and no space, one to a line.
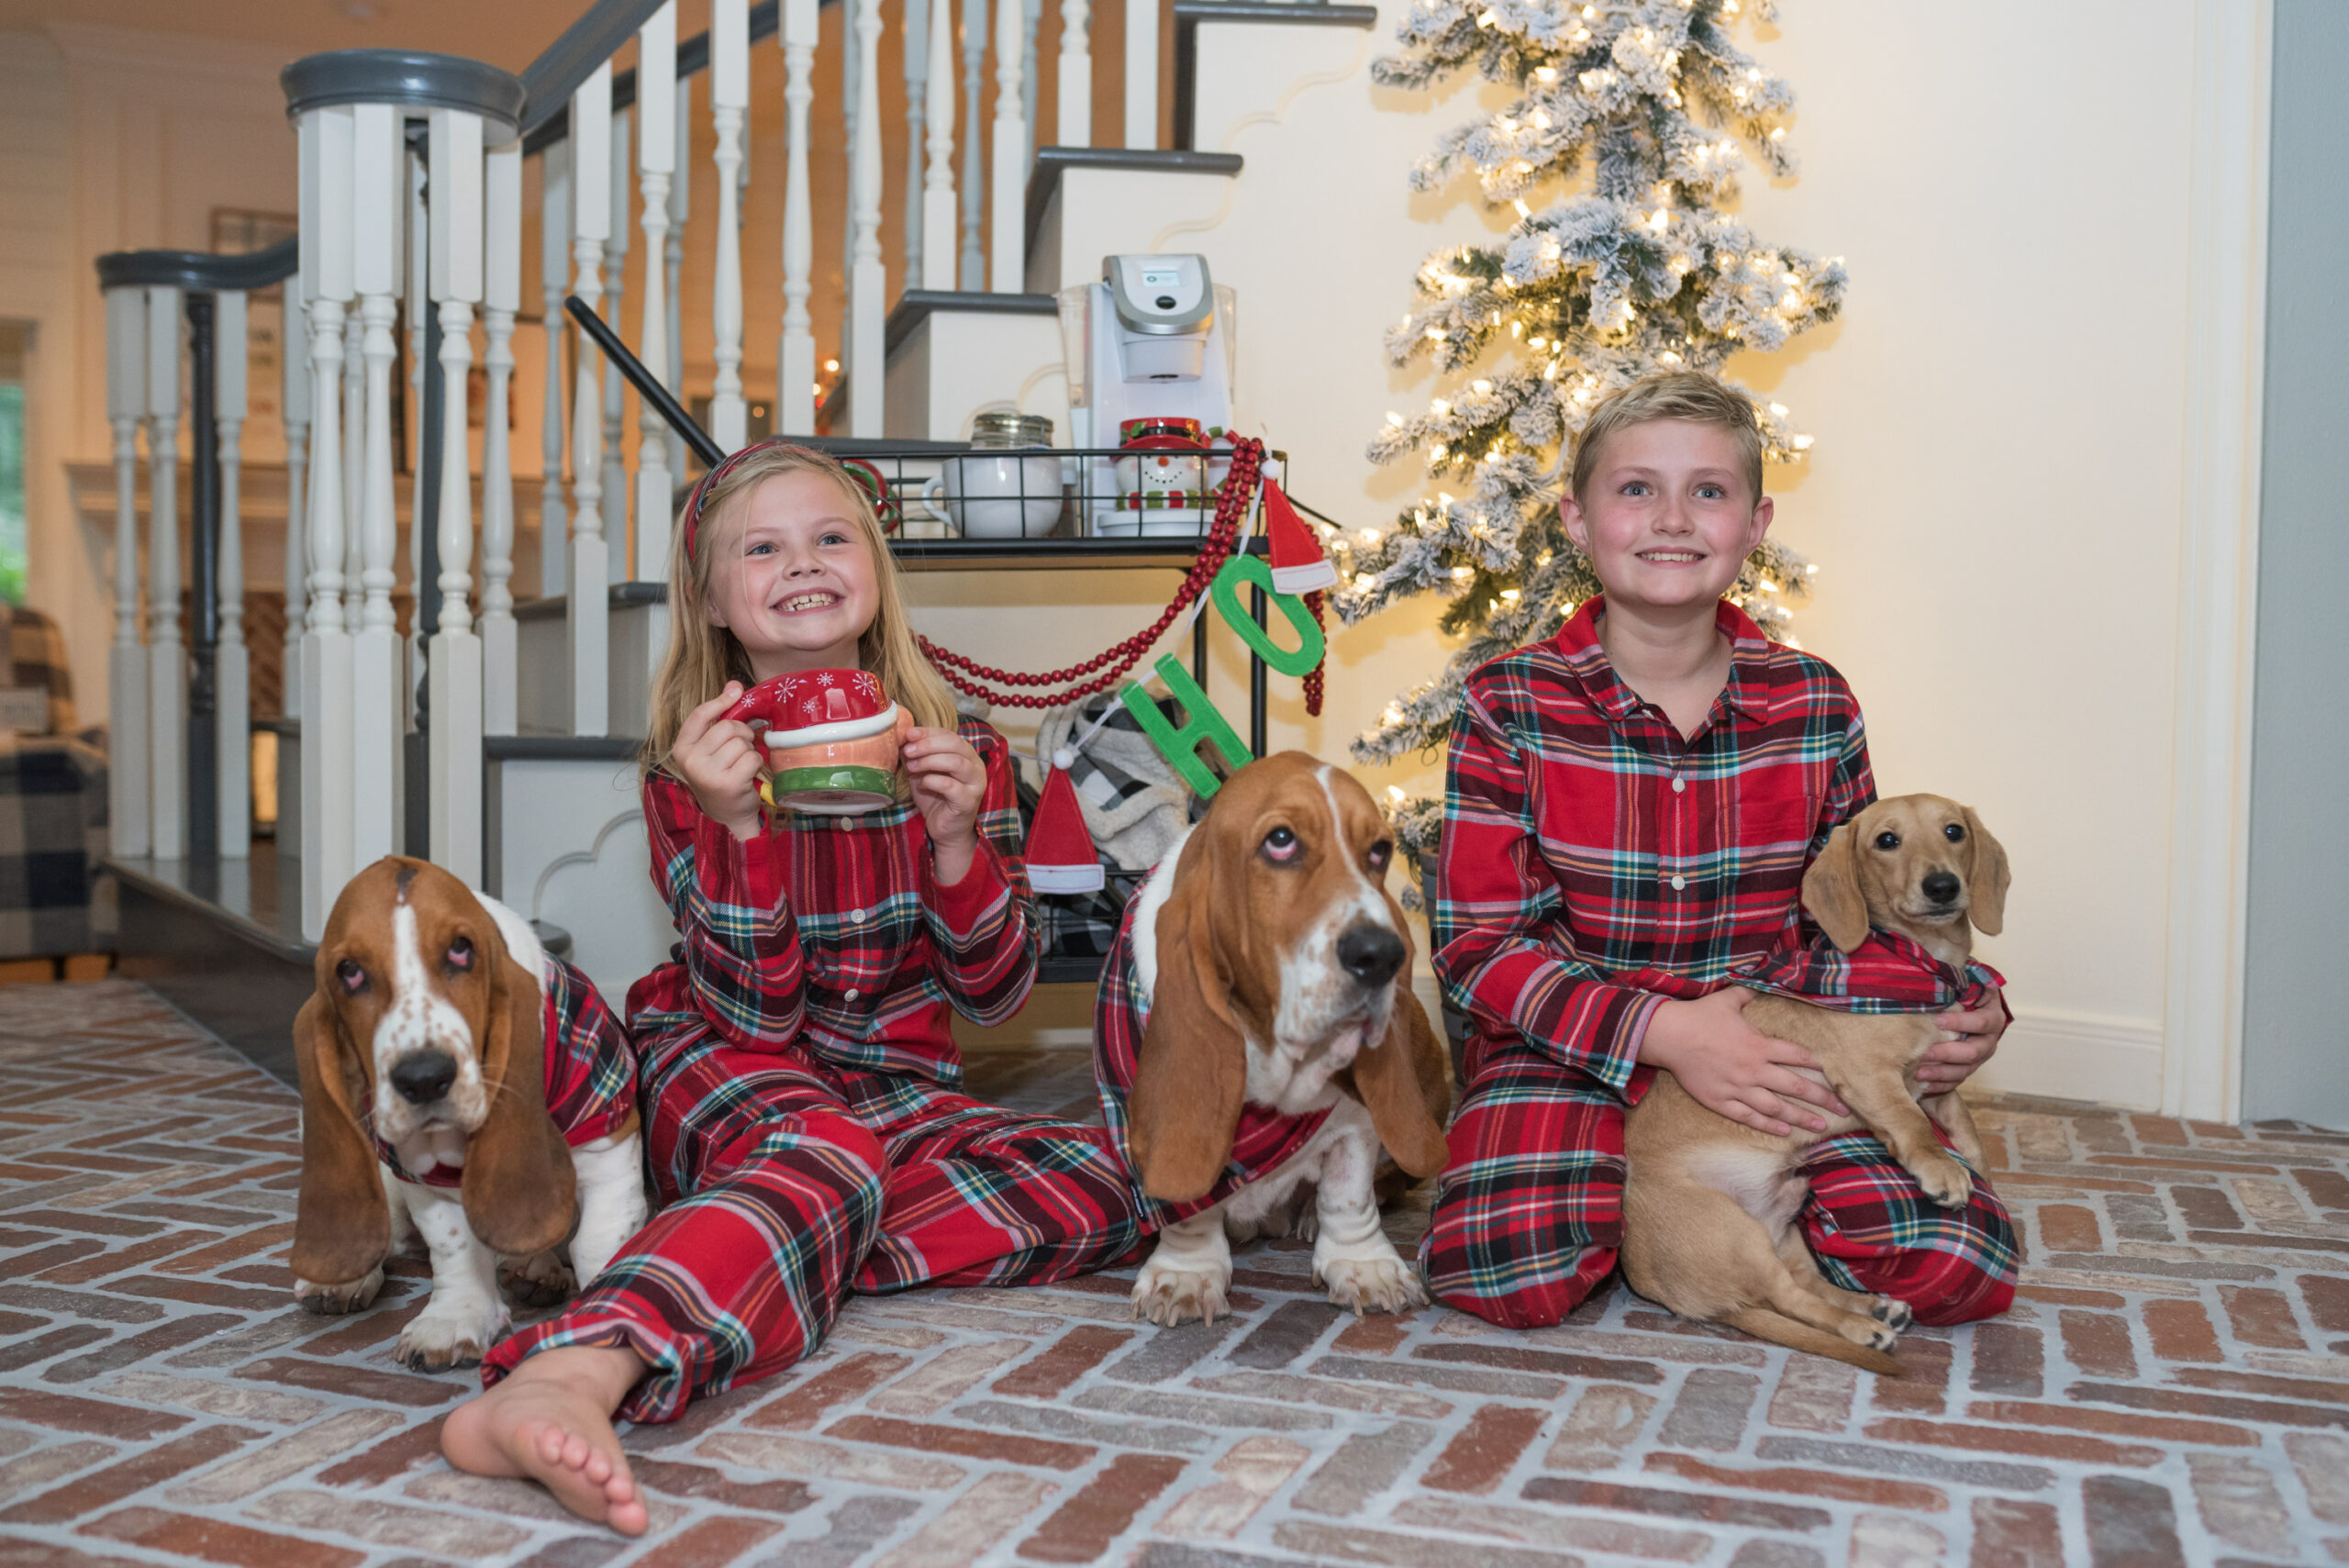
(1886,974)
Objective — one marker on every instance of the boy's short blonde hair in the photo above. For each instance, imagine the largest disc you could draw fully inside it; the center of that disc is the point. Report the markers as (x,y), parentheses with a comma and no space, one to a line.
(1692,395)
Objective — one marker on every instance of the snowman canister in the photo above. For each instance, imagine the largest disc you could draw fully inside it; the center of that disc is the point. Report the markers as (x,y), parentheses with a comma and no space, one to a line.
(831,739)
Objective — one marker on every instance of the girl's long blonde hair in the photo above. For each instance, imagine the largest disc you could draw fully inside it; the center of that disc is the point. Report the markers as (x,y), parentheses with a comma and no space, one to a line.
(702,657)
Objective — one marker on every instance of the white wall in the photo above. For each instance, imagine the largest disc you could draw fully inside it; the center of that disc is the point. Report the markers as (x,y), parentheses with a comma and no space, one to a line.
(1994,496)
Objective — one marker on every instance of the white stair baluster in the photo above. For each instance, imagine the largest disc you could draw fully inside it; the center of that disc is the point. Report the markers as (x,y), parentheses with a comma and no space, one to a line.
(127,658)
(851,105)
(869,280)
(414,229)
(974,184)
(730,100)
(681,191)
(656,92)
(616,493)
(1141,74)
(796,352)
(1008,171)
(590,602)
(1031,16)
(916,49)
(453,769)
(166,656)
(233,715)
(502,295)
(938,182)
(354,456)
(378,669)
(294,358)
(325,197)
(554,271)
(1074,89)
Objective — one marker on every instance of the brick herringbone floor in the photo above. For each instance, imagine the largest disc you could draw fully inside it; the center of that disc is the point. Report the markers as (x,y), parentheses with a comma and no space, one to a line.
(2172,1388)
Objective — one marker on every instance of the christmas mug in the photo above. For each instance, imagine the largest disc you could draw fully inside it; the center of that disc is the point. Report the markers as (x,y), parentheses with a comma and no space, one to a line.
(831,737)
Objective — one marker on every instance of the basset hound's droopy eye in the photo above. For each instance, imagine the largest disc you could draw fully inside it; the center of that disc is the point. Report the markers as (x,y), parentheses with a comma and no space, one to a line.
(1281,846)
(353,978)
(461,955)
(1887,839)
(1380,854)
(1955,832)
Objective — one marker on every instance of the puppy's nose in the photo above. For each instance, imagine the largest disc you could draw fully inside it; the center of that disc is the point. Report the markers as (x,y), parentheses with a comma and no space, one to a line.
(1940,886)
(424,1076)
(1370,953)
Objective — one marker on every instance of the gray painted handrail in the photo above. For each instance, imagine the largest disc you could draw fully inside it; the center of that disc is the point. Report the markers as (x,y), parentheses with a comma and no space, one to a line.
(549,81)
(411,77)
(199,270)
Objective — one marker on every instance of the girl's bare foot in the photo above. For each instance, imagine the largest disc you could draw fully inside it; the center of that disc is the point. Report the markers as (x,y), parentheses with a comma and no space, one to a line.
(550,1421)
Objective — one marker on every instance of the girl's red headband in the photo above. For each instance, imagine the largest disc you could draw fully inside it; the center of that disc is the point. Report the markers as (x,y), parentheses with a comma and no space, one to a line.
(864,473)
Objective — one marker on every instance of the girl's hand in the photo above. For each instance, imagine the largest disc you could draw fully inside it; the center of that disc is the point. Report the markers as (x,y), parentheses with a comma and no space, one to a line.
(947,781)
(719,760)
(1733,1069)
(1972,1037)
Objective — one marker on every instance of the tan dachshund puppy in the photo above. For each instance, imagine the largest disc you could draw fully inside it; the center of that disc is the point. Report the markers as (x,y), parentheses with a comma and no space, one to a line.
(1708,1206)
(1273,969)
(460,1084)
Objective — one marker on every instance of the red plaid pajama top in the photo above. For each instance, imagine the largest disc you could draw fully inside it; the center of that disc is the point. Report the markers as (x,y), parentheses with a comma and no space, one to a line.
(1596,863)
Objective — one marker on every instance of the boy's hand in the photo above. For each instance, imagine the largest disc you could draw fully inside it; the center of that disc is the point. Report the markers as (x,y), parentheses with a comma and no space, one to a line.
(1972,1037)
(1733,1069)
(947,781)
(720,761)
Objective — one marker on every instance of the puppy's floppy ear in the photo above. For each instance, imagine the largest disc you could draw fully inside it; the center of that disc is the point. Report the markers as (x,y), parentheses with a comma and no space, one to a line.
(342,1226)
(1987,880)
(519,1190)
(1192,1071)
(1831,890)
(1391,1086)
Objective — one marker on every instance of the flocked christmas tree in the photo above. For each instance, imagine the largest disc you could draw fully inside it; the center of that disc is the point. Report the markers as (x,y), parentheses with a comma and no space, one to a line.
(1631,120)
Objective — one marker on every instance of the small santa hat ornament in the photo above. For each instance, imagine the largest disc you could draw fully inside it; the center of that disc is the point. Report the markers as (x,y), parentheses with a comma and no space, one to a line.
(1061,858)
(1298,565)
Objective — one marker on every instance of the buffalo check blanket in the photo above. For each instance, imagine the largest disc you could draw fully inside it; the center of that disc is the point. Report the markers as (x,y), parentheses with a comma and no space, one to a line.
(52,833)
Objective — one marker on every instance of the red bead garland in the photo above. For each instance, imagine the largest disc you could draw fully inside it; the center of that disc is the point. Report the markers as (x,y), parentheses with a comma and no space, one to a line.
(1313,676)
(1238,488)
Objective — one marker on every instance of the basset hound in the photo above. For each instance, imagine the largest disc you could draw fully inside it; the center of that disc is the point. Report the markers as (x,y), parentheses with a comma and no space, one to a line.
(459,1084)
(1257,1043)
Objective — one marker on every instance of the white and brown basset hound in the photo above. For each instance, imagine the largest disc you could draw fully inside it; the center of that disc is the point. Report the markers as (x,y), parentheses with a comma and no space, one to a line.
(460,1084)
(1257,1043)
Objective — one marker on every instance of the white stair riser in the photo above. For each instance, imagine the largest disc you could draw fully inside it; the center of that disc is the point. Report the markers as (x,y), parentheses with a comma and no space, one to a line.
(566,845)
(1100,212)
(639,635)
(956,362)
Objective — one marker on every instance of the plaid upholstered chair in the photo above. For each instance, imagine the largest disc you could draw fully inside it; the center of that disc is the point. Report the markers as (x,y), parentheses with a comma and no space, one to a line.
(34,650)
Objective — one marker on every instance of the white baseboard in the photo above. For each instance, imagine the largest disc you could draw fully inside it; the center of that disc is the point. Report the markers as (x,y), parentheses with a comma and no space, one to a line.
(2078,1056)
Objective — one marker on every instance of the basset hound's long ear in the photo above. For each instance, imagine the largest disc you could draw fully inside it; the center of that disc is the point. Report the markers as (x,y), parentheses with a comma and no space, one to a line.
(1193,1069)
(342,1226)
(1987,878)
(1388,1080)
(521,1194)
(1831,890)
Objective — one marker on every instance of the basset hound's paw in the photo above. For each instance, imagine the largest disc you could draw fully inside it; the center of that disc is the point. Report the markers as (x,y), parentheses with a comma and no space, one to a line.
(1167,1296)
(542,1279)
(1373,1285)
(435,1342)
(352,1295)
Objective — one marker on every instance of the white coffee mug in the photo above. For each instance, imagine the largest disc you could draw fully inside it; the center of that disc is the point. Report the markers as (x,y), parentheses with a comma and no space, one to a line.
(996,494)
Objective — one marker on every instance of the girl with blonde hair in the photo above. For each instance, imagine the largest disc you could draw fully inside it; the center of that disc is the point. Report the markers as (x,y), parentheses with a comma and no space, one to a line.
(798,1073)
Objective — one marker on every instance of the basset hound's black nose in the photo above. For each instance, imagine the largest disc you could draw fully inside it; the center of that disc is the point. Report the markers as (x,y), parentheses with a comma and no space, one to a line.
(424,1076)
(1370,953)
(1940,886)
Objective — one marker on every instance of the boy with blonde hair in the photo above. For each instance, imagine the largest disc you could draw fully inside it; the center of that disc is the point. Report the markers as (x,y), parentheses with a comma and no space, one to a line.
(1629,810)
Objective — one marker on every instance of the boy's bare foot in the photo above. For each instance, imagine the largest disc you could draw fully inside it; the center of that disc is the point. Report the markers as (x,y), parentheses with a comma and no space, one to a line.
(550,1421)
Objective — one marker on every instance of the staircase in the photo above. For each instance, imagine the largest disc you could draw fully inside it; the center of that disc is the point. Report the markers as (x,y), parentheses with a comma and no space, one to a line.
(498,737)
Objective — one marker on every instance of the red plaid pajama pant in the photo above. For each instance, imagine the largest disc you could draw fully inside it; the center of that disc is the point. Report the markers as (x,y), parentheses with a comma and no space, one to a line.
(789,1182)
(1528,1212)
